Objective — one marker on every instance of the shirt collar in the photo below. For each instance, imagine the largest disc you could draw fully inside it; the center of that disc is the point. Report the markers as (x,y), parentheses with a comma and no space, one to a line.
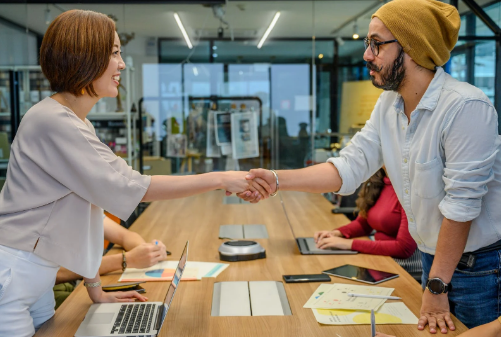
(430,98)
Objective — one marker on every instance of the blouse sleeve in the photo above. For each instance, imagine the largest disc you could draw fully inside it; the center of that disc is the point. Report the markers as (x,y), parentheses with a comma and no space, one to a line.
(70,152)
(403,246)
(356,228)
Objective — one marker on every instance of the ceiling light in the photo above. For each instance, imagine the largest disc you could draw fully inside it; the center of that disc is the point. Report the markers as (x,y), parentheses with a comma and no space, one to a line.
(183,31)
(214,55)
(355,31)
(339,41)
(320,56)
(268,31)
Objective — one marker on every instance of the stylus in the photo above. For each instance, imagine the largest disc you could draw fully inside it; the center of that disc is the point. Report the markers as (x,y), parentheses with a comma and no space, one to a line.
(375,296)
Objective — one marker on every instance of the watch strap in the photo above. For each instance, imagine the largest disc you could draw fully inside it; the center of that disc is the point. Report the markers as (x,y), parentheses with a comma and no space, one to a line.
(124,261)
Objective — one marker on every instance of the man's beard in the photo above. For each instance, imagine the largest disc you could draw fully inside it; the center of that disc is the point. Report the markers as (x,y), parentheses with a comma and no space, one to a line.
(392,78)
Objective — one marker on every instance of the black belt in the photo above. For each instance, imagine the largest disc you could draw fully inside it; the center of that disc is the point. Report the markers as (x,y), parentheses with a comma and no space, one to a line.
(468,259)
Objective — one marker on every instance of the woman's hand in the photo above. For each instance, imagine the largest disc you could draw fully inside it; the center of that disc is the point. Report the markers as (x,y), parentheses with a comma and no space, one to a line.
(146,255)
(334,242)
(236,182)
(259,177)
(326,234)
(118,296)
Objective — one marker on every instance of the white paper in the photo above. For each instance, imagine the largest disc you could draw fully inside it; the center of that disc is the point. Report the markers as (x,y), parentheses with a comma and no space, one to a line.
(244,135)
(389,313)
(223,128)
(162,271)
(336,297)
(213,151)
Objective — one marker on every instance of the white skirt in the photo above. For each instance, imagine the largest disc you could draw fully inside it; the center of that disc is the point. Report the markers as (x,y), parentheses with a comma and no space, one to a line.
(26,296)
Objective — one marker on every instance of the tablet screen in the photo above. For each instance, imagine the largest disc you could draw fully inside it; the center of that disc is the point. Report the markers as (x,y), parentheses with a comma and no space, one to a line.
(360,274)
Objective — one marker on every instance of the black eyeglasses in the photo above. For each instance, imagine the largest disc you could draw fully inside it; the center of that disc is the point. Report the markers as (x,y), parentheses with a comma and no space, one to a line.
(375,44)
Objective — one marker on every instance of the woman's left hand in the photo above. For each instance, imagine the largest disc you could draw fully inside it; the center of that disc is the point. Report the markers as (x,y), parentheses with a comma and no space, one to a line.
(120,296)
(334,242)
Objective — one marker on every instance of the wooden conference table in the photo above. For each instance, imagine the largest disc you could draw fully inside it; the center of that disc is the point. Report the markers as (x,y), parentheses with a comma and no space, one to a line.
(197,219)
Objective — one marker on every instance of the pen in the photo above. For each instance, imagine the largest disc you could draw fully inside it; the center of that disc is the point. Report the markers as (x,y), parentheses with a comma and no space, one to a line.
(166,252)
(375,296)
(373,323)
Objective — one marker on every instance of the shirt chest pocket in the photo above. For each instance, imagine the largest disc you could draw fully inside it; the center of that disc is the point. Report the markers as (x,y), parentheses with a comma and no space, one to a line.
(428,182)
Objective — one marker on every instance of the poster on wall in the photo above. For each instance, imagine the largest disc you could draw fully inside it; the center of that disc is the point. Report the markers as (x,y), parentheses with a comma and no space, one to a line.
(244,135)
(176,145)
(213,151)
(223,131)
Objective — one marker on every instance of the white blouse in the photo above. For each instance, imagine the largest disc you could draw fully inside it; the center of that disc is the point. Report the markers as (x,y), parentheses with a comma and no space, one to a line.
(59,179)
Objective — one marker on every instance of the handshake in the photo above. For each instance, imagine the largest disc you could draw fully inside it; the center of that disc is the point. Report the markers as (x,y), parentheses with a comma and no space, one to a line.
(252,186)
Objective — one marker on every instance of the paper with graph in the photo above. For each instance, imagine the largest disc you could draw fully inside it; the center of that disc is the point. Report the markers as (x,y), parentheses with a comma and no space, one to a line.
(163,271)
(335,296)
(389,313)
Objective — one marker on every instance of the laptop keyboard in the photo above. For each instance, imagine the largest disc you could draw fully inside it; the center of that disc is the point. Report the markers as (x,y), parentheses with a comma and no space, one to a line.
(134,318)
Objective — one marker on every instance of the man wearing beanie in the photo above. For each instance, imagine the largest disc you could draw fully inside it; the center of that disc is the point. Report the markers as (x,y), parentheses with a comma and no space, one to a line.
(438,139)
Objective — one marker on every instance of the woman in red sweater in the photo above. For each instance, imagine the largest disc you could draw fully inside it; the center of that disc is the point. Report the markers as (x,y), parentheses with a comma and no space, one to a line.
(379,210)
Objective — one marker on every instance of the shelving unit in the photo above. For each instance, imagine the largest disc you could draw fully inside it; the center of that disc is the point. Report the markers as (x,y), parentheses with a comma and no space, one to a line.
(32,86)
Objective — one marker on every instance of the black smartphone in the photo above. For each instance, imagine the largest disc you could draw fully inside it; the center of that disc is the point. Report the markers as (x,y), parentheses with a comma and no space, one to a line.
(306,278)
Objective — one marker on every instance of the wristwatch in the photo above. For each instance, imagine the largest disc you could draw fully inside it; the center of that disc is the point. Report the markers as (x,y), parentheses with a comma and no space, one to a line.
(436,286)
(124,261)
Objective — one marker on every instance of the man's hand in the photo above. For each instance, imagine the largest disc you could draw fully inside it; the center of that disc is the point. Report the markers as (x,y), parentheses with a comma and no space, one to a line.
(146,255)
(326,234)
(435,311)
(259,177)
(237,182)
(334,242)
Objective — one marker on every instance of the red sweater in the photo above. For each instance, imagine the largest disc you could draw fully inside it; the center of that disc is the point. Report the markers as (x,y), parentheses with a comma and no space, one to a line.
(388,218)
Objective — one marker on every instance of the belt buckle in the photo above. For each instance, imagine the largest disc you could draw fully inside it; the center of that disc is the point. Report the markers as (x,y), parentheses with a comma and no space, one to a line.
(467,260)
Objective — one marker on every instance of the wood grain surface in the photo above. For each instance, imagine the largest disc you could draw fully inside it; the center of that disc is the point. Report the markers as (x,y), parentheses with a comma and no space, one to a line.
(197,219)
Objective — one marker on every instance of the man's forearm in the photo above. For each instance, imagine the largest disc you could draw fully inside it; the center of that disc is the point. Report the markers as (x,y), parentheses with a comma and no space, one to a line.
(321,178)
(450,246)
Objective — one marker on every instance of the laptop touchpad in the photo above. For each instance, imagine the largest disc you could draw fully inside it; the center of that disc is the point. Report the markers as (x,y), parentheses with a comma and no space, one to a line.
(101,318)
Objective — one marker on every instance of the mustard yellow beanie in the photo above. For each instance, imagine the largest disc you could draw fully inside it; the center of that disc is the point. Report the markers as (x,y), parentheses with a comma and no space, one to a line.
(426,29)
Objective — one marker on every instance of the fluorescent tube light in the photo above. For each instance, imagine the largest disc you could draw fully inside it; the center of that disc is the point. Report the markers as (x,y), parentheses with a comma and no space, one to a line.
(268,31)
(181,27)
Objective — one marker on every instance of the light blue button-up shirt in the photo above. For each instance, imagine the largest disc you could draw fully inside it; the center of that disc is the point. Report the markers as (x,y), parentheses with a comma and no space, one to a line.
(444,163)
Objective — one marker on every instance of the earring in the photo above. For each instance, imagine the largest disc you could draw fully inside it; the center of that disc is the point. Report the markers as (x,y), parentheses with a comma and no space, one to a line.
(83,91)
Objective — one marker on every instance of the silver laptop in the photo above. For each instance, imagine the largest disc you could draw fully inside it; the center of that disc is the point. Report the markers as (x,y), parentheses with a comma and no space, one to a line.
(141,319)
(307,246)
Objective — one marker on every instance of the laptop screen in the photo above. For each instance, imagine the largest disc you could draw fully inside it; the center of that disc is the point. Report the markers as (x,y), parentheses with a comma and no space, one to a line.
(177,277)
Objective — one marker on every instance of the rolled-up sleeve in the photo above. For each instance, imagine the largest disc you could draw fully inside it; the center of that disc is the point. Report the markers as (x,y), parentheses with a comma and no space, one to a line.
(72,154)
(470,145)
(362,158)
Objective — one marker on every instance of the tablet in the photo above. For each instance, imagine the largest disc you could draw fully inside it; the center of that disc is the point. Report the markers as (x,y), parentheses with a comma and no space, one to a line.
(361,274)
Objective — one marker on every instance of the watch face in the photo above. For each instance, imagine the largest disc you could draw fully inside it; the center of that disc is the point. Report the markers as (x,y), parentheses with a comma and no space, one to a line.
(436,286)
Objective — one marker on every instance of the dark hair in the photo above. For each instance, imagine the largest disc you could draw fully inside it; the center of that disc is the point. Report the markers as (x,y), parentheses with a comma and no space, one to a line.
(76,50)
(370,192)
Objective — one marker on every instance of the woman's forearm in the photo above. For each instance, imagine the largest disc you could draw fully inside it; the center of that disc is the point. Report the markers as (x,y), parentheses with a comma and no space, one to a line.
(110,263)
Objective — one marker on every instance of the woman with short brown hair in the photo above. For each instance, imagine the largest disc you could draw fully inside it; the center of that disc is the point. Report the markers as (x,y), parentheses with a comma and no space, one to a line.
(61,177)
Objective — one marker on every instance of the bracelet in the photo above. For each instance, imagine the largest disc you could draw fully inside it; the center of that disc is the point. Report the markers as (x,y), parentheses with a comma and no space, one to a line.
(92,284)
(124,261)
(276,178)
